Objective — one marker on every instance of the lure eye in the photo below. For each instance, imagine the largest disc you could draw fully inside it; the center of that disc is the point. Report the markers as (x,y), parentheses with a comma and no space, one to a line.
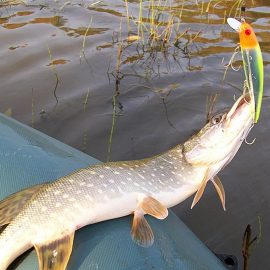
(248,32)
(216,119)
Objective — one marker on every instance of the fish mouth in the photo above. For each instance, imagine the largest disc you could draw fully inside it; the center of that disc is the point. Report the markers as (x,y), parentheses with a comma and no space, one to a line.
(243,100)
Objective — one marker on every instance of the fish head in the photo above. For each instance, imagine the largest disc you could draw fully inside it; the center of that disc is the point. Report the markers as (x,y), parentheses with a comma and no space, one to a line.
(218,141)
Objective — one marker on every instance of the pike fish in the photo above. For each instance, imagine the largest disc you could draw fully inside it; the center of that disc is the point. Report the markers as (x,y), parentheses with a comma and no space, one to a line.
(46,216)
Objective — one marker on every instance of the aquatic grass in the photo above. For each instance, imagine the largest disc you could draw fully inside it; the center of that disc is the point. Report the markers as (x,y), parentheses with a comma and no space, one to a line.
(237,6)
(249,241)
(55,74)
(85,137)
(154,28)
(116,91)
(82,54)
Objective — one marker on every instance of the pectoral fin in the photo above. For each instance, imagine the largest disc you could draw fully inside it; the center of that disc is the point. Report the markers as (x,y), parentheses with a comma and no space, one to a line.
(12,205)
(141,231)
(220,190)
(154,208)
(200,190)
(54,255)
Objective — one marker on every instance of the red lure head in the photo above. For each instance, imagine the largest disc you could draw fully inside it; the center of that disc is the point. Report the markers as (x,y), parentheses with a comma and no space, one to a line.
(248,38)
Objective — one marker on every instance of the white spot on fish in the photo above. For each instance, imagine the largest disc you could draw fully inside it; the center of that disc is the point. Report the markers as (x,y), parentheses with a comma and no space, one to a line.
(175,167)
(141,176)
(105,185)
(123,183)
(129,179)
(162,174)
(107,167)
(71,180)
(160,182)
(155,169)
(53,215)
(136,184)
(182,168)
(111,181)
(175,158)
(150,183)
(100,191)
(116,172)
(180,174)
(101,176)
(120,189)
(136,165)
(152,174)
(161,167)
(77,205)
(170,155)
(121,168)
(92,172)
(131,169)
(82,183)
(173,172)
(129,173)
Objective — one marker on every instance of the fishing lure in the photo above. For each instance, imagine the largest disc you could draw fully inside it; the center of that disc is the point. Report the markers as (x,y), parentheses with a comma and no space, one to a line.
(252,60)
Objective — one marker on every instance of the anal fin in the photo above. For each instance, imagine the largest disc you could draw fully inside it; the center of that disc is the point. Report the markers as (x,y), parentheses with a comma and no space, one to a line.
(220,190)
(141,231)
(12,205)
(54,255)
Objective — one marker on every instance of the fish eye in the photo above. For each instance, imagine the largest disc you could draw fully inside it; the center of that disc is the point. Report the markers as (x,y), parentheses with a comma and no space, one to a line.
(216,119)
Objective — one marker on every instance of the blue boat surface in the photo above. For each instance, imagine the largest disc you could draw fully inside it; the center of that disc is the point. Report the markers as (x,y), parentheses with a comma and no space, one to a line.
(28,157)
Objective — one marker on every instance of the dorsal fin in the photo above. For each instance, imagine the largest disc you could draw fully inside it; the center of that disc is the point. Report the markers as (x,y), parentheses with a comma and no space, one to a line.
(12,205)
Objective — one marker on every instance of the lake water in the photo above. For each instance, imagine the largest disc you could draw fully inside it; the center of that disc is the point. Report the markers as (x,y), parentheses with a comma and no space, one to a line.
(119,89)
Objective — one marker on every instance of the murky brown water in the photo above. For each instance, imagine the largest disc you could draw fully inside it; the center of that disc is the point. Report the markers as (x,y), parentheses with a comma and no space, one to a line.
(161,94)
